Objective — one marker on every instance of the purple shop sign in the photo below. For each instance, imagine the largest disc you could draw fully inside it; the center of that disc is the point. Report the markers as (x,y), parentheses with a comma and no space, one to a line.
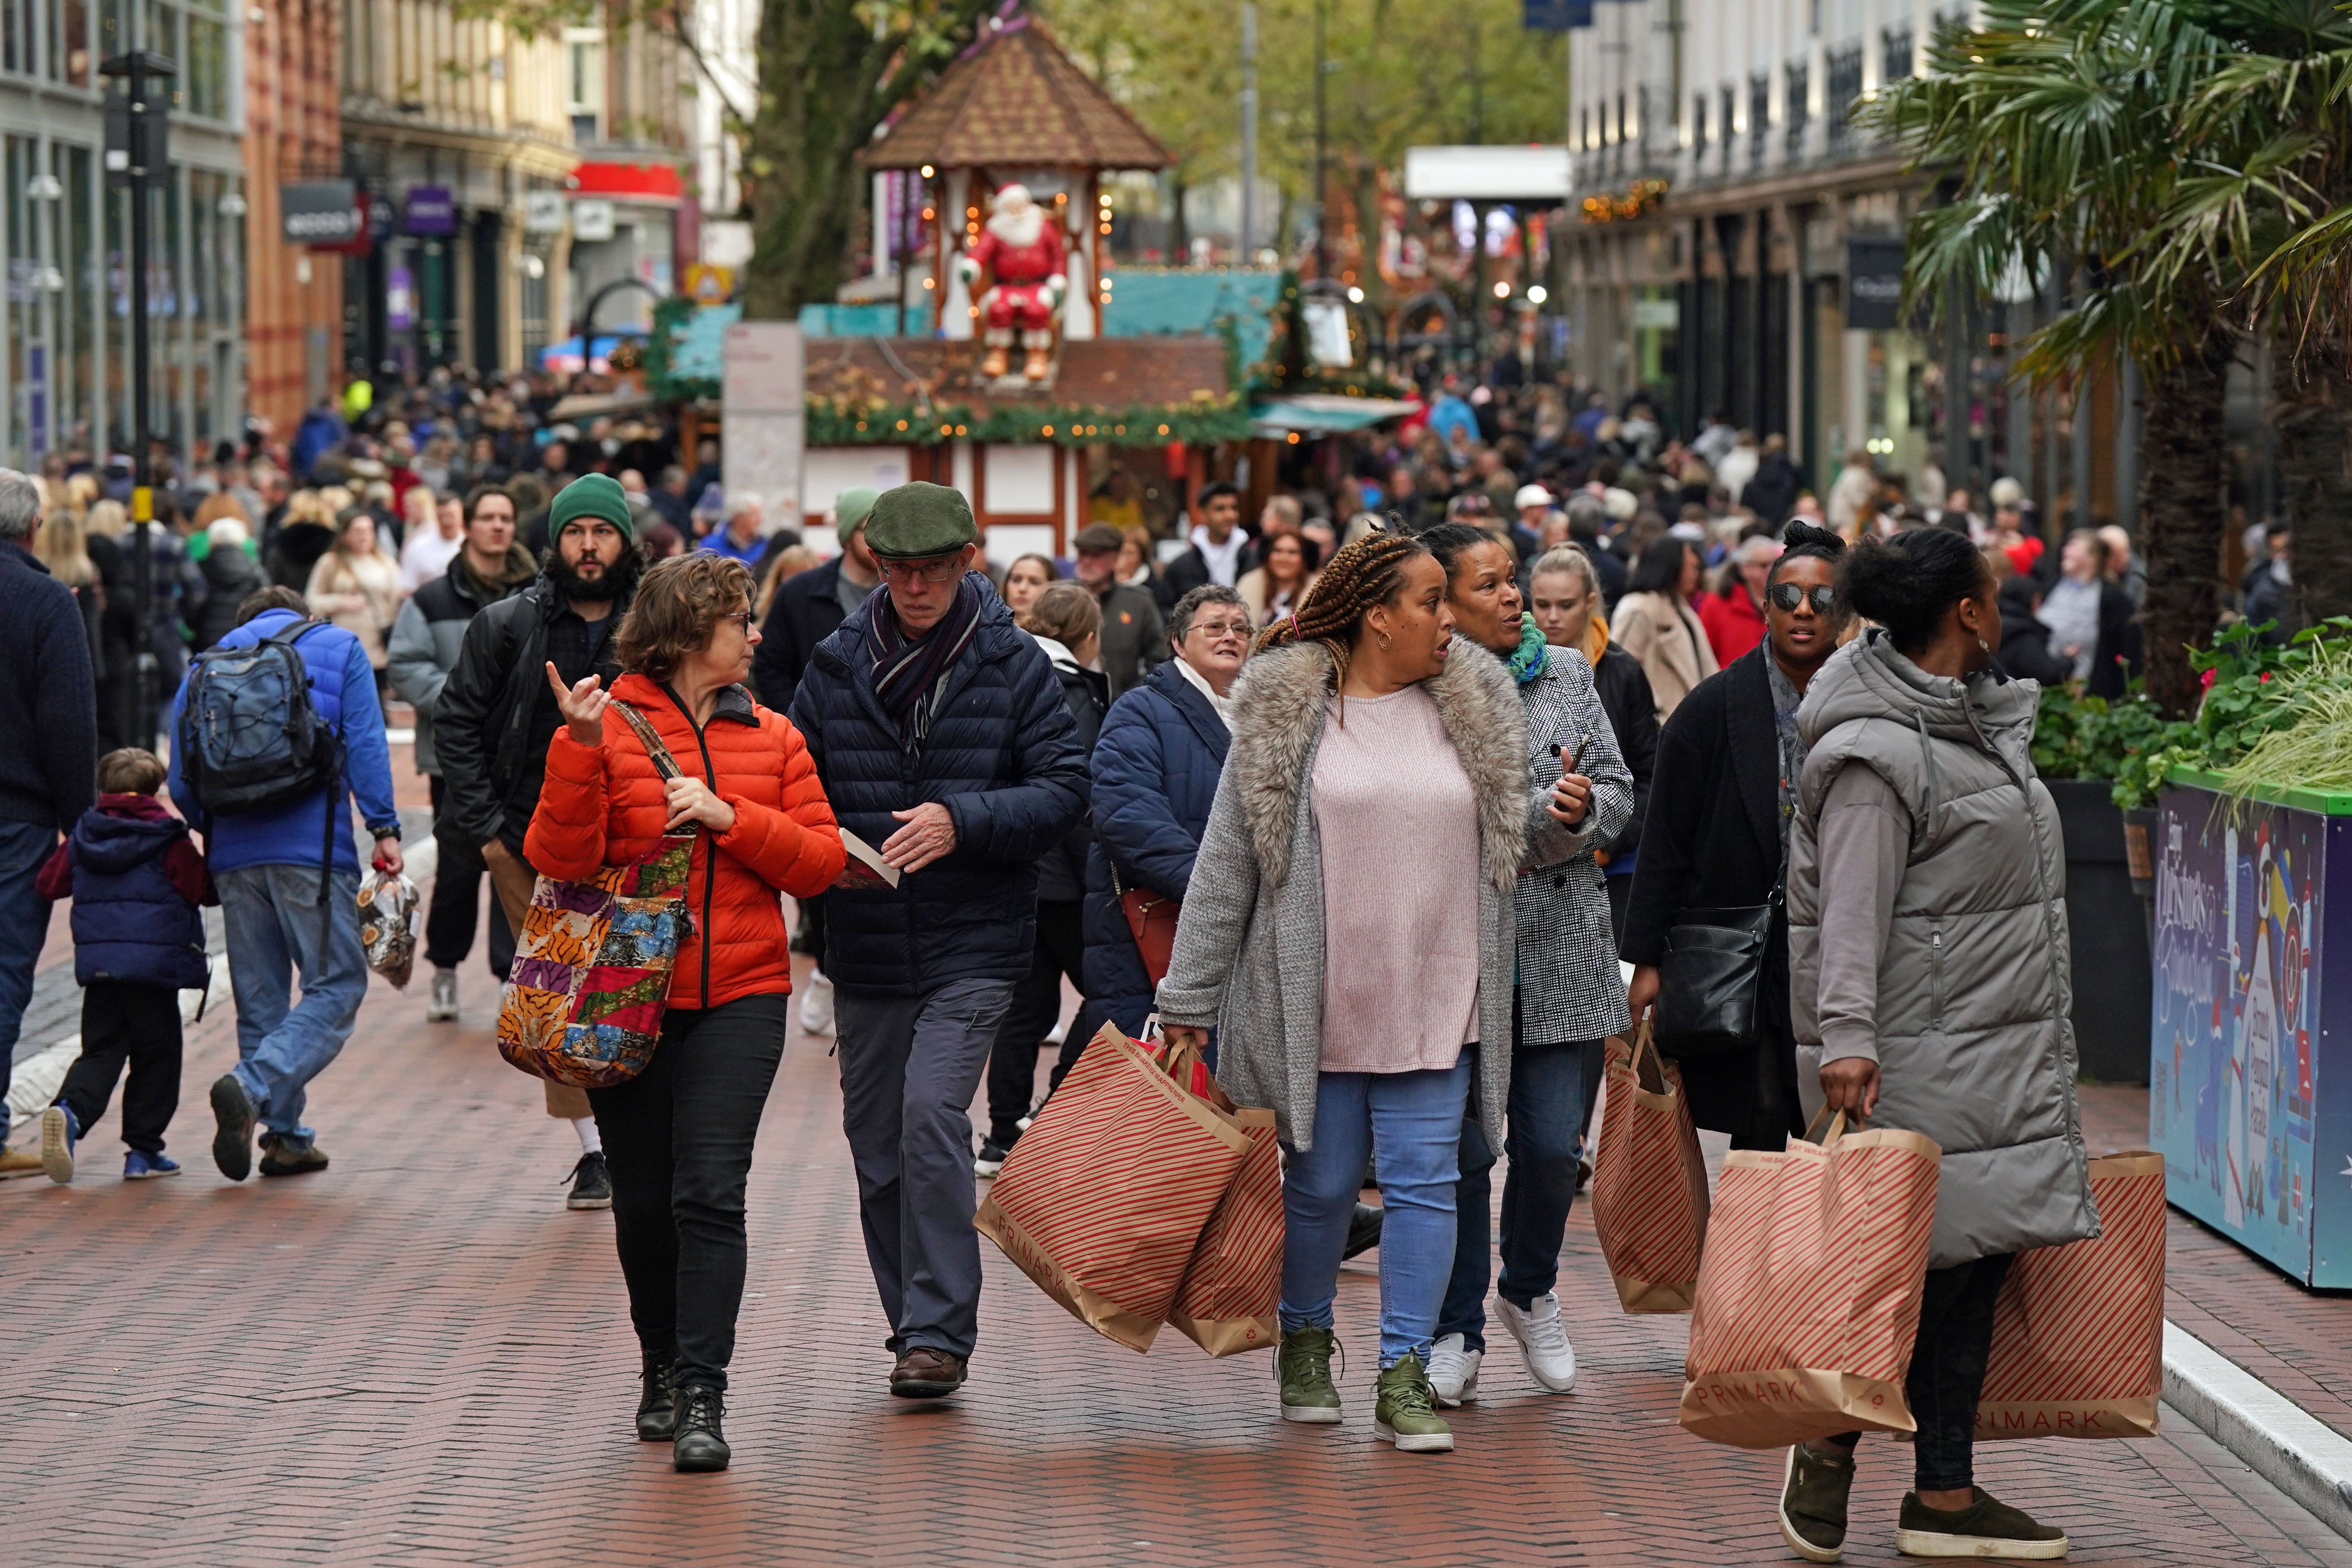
(429,211)
(399,300)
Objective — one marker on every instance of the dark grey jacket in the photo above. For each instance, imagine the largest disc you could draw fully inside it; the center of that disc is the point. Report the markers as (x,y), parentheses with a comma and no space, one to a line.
(430,631)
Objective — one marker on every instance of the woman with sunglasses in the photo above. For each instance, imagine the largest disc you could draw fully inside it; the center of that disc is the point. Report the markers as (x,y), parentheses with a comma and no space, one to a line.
(1717,835)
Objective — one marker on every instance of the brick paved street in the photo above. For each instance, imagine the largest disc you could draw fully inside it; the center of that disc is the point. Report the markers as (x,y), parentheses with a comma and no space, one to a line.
(420,1357)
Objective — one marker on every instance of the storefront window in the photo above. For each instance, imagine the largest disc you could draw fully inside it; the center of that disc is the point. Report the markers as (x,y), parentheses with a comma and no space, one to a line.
(206,73)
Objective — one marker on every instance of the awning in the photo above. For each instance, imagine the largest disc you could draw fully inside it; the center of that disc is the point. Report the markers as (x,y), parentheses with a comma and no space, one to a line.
(1325,413)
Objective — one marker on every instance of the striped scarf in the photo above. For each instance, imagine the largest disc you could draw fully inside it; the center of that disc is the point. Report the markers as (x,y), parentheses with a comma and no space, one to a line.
(908,673)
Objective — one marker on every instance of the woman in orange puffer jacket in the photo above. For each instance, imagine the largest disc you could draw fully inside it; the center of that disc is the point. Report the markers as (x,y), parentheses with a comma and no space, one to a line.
(679,1136)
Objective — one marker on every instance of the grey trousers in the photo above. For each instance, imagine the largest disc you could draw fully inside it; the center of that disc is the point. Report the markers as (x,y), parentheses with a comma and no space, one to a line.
(910,1068)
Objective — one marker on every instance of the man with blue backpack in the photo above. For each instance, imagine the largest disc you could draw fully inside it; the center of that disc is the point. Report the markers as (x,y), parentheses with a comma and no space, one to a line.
(276,726)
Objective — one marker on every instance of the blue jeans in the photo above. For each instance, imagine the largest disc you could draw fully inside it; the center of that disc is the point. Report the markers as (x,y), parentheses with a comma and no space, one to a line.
(23,927)
(1547,1124)
(1413,1122)
(273,918)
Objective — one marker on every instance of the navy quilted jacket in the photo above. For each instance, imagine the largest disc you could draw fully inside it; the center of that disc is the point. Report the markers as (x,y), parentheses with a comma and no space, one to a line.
(1002,757)
(1155,774)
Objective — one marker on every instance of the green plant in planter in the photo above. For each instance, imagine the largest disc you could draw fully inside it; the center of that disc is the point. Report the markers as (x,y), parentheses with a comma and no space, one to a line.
(2079,737)
(2257,689)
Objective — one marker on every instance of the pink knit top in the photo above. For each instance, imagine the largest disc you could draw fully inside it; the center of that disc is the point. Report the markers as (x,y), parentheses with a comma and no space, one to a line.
(1398,823)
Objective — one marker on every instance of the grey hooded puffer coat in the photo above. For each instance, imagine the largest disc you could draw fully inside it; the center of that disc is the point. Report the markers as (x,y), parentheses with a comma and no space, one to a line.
(1250,942)
(1973,1039)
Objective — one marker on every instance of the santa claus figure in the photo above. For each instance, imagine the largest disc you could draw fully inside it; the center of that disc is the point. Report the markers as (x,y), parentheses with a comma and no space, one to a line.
(1021,252)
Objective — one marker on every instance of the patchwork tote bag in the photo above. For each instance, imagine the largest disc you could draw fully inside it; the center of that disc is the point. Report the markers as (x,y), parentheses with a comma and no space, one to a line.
(585,998)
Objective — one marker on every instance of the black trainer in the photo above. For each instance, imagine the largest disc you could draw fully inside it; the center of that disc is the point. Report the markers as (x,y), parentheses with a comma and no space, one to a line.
(232,1118)
(658,1405)
(1988,1527)
(699,1445)
(282,1157)
(1813,1490)
(992,1157)
(592,1183)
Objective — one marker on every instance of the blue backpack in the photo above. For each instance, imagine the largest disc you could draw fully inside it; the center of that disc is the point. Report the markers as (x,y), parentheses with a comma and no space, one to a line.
(250,739)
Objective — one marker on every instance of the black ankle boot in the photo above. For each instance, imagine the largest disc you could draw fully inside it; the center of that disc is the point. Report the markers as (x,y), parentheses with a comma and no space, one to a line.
(657,1405)
(699,1443)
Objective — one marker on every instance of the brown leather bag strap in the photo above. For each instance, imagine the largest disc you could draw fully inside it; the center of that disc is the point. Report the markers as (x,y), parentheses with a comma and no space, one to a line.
(663,763)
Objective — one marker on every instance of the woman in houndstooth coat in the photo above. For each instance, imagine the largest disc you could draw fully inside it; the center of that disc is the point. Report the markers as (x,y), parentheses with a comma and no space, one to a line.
(1570,993)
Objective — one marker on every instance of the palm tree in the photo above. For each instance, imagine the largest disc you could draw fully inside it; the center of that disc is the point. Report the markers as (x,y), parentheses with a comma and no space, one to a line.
(2055,121)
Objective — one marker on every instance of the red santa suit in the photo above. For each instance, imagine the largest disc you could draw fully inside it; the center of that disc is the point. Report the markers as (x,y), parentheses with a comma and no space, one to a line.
(1023,251)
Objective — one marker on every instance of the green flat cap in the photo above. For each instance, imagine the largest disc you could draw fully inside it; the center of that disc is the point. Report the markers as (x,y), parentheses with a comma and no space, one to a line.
(595,497)
(914,520)
(850,508)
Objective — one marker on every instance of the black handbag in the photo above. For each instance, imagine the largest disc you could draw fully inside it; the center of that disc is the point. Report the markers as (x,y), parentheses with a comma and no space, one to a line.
(1710,979)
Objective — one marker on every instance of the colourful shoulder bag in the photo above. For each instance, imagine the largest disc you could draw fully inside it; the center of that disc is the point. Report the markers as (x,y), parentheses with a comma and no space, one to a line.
(584,999)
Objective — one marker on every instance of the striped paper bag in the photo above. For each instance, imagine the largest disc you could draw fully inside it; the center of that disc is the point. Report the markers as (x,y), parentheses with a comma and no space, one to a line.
(2078,1332)
(1225,1301)
(1104,1199)
(1809,1298)
(1649,1182)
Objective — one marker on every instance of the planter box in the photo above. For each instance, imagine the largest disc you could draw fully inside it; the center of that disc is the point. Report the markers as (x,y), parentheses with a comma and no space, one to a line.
(2251,1039)
(2107,925)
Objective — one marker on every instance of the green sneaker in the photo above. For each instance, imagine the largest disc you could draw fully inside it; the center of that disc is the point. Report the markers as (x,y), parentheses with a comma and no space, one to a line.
(1814,1491)
(1404,1411)
(1986,1528)
(1304,1365)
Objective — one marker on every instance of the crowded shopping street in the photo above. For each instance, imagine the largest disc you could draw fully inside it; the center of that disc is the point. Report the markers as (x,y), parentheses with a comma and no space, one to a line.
(1048,782)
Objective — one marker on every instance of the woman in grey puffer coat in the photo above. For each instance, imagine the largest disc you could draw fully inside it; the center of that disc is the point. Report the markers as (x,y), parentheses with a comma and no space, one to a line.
(1929,983)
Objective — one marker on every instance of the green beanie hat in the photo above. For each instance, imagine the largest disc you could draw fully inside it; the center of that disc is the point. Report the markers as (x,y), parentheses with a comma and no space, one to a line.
(595,496)
(849,509)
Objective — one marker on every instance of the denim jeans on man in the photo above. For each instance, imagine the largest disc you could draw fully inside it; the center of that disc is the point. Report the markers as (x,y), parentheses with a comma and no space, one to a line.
(1947,1372)
(679,1139)
(24,928)
(1414,1121)
(1547,1124)
(274,921)
(910,1068)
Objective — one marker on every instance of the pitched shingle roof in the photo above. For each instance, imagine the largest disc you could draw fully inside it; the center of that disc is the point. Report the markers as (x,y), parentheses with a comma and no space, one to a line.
(1018,101)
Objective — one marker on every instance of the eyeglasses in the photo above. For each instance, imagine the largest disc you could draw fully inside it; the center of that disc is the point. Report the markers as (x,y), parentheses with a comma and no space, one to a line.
(1786,596)
(742,618)
(1217,630)
(946,568)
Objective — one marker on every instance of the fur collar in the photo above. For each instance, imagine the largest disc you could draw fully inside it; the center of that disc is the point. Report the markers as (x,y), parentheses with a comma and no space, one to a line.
(1278,708)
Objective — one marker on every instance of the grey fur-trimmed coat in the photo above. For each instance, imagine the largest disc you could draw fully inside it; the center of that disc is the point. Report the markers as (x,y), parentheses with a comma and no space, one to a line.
(1250,944)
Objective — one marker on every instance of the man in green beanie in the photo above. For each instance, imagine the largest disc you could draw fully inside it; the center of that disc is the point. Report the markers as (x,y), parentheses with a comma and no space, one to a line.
(496,715)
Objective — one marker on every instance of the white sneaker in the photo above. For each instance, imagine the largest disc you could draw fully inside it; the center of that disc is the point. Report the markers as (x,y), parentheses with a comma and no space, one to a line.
(443,1006)
(1453,1370)
(817,1004)
(1543,1341)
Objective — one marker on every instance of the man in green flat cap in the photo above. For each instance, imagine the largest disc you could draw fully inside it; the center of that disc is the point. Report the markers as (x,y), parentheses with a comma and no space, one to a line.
(942,738)
(496,715)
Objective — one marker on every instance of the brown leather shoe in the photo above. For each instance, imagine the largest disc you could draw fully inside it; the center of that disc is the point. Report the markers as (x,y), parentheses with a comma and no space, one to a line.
(926,1373)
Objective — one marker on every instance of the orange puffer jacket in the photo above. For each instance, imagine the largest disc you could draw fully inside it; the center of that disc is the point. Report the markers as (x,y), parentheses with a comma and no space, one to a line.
(604,806)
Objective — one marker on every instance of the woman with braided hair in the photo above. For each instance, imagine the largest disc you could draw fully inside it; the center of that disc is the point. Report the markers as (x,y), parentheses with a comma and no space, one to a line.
(1349,932)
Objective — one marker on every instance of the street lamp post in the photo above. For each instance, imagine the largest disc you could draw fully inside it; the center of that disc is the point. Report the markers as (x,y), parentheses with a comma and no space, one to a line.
(137,149)
(1322,203)
(1249,129)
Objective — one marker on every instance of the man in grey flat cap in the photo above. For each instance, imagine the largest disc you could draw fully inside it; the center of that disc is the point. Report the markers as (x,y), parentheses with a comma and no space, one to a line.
(939,732)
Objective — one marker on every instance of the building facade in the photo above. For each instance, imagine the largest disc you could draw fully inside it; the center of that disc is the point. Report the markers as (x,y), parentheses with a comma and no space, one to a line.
(1740,245)
(294,298)
(64,375)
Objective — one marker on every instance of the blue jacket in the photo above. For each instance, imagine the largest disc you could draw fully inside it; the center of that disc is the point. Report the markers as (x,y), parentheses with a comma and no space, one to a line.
(1155,776)
(1002,756)
(343,688)
(129,923)
(48,715)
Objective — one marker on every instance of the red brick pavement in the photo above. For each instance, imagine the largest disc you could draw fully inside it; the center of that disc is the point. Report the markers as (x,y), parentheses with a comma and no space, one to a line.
(420,1357)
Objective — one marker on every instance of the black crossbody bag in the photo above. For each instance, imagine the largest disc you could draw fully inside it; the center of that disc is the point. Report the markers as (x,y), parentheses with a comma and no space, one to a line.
(1711,979)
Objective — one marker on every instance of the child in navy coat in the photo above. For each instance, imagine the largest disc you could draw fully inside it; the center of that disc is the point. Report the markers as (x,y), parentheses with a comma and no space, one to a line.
(136,883)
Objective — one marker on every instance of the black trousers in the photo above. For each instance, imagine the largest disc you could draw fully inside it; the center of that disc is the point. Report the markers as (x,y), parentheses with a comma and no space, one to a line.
(1947,1371)
(1036,1007)
(677,1138)
(123,1022)
(456,904)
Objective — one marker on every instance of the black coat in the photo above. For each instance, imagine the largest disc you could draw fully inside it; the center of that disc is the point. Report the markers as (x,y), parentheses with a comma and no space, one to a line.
(2024,641)
(48,717)
(1624,688)
(1061,870)
(1771,491)
(805,611)
(230,577)
(2118,660)
(1191,571)
(1712,840)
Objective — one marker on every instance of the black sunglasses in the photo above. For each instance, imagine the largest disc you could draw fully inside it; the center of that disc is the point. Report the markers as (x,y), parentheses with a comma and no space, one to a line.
(1789,595)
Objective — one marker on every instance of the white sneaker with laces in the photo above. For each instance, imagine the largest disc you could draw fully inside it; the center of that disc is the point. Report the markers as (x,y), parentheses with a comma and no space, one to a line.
(1453,1370)
(817,1004)
(1543,1341)
(443,1007)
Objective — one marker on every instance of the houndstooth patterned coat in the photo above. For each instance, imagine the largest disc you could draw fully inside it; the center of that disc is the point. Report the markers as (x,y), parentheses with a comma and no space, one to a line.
(1571,988)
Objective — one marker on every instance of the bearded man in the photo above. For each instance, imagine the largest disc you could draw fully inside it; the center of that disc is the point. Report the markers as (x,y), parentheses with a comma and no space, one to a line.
(1023,251)
(497,713)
